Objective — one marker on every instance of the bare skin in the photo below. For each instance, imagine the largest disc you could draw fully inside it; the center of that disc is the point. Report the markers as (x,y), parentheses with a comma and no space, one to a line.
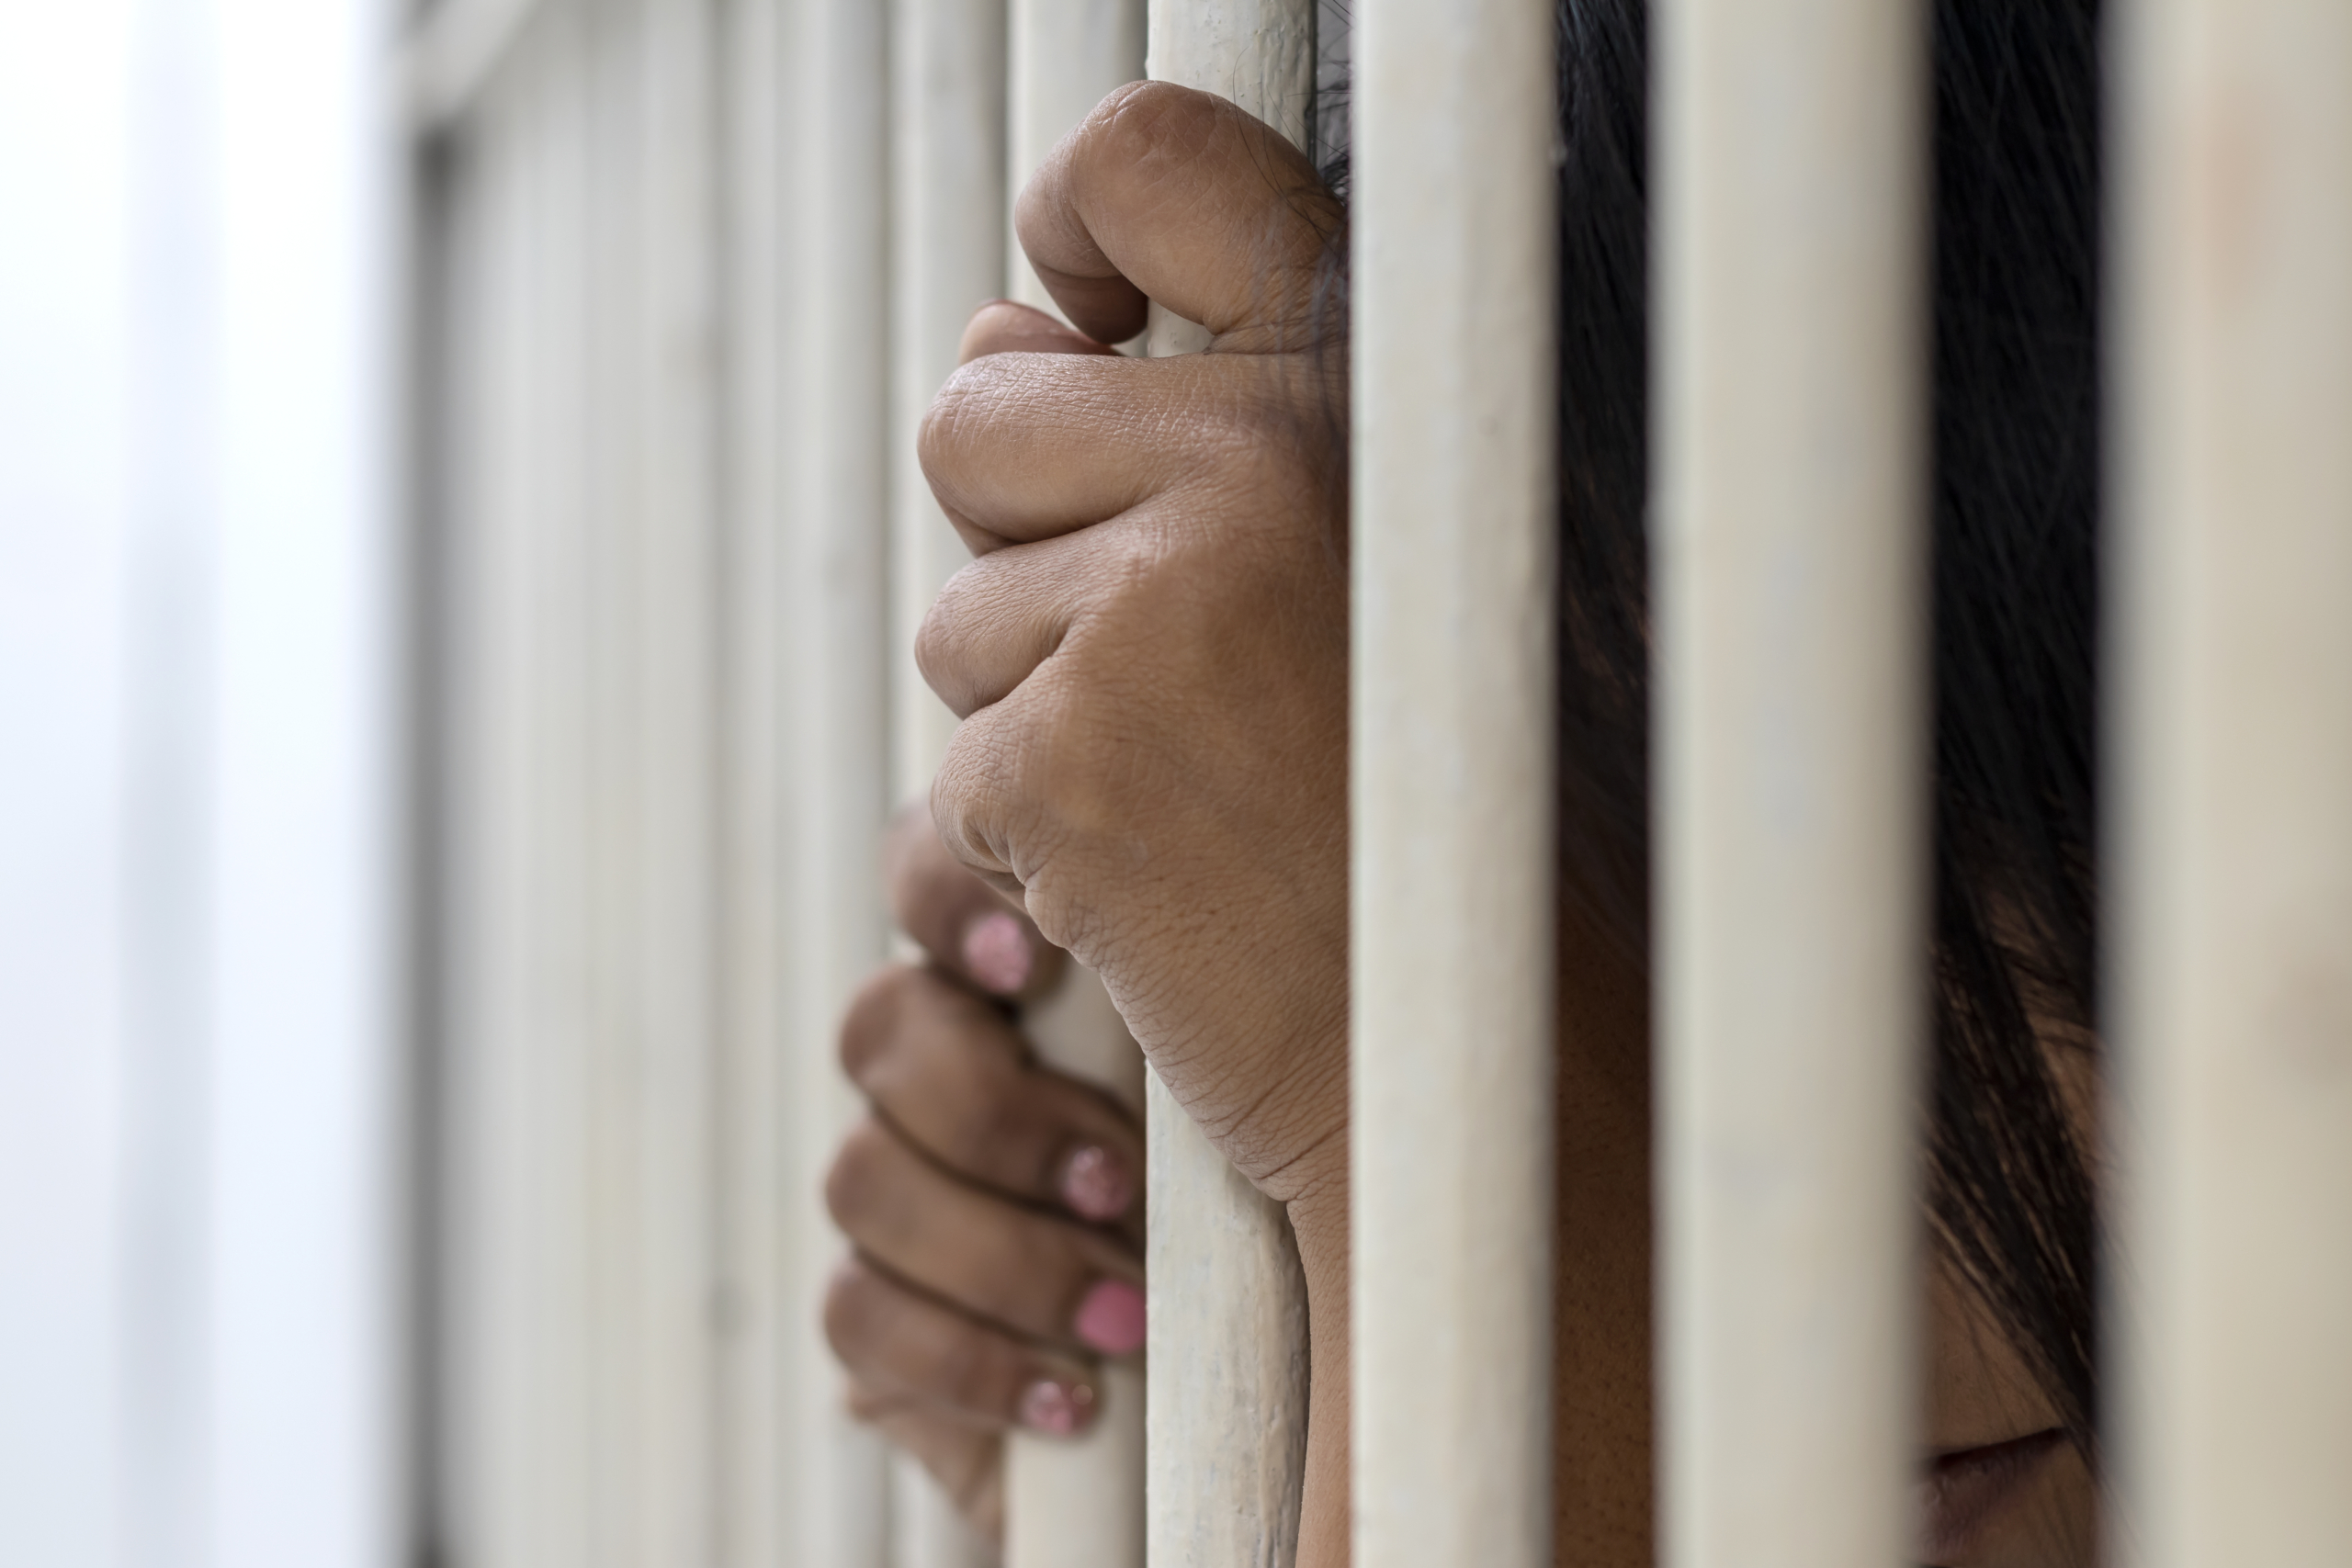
(1149,655)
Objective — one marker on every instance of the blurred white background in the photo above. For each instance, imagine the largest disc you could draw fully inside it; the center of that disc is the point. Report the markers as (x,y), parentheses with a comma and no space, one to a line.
(198,1209)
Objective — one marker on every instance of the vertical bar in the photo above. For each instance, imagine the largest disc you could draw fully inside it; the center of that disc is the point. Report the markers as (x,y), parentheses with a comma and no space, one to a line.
(169,1044)
(643,1185)
(1452,882)
(947,244)
(583,876)
(1079,1503)
(1228,1359)
(516,846)
(1790,564)
(1063,57)
(2232,578)
(762,1296)
(949,208)
(1073,1504)
(837,427)
(666,1094)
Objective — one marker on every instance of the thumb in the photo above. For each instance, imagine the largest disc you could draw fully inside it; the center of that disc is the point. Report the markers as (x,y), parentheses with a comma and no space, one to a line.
(1000,326)
(1169,194)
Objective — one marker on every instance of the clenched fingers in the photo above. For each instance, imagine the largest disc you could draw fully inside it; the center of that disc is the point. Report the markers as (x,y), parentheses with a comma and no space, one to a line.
(924,1357)
(968,928)
(949,1074)
(1045,1279)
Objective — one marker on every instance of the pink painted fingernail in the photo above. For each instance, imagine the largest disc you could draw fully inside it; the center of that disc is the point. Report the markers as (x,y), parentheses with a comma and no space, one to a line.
(1111,1318)
(1056,1408)
(1096,1185)
(996,951)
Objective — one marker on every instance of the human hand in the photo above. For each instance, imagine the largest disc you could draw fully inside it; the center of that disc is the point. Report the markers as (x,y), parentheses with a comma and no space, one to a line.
(1150,655)
(993,1205)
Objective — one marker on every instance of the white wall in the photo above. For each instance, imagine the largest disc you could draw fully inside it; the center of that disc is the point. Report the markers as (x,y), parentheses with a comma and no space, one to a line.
(62,157)
(195,1020)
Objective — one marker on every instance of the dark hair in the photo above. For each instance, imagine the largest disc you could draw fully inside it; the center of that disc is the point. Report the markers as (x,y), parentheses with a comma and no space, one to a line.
(2017,462)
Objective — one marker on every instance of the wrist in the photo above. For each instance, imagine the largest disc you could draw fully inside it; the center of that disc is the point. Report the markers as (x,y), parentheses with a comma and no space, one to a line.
(1320,1221)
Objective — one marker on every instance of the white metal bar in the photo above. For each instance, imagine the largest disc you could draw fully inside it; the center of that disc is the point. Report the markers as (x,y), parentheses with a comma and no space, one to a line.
(1073,1504)
(1063,57)
(444,65)
(762,1295)
(2231,584)
(836,431)
(1790,562)
(1227,1361)
(1452,889)
(1260,54)
(1080,1504)
(581,1379)
(515,844)
(661,1085)
(947,241)
(948,234)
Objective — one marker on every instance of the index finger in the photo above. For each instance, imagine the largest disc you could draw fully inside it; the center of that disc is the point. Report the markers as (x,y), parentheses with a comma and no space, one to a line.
(1169,194)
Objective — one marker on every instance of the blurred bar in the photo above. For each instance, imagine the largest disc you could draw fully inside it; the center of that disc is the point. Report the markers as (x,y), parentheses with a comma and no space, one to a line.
(1063,58)
(949,206)
(1790,568)
(2231,579)
(577,530)
(837,445)
(760,1214)
(947,241)
(1453,541)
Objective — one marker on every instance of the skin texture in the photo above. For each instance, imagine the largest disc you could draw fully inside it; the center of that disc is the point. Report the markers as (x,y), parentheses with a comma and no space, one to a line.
(970,1265)
(1149,656)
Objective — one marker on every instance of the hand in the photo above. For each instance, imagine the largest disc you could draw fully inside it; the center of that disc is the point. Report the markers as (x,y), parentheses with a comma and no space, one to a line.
(993,1205)
(1151,655)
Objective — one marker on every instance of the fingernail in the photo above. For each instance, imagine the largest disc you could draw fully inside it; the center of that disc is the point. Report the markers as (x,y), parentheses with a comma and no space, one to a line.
(1111,1318)
(1056,1408)
(1095,1184)
(996,952)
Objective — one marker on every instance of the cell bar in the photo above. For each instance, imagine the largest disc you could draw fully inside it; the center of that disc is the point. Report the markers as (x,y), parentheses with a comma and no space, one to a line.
(836,426)
(1452,887)
(2231,679)
(1064,57)
(1229,1352)
(947,241)
(1789,559)
(1073,1504)
(949,206)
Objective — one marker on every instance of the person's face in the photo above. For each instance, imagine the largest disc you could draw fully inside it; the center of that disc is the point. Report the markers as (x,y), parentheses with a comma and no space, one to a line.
(2000,1483)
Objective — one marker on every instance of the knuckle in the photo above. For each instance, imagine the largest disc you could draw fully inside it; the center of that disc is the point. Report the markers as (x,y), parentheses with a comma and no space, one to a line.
(1146,119)
(942,641)
(1011,1127)
(954,410)
(965,1373)
(852,1313)
(875,1022)
(977,793)
(858,1186)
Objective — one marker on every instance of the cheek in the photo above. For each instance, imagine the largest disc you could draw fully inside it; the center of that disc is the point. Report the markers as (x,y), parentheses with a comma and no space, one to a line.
(1979,1390)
